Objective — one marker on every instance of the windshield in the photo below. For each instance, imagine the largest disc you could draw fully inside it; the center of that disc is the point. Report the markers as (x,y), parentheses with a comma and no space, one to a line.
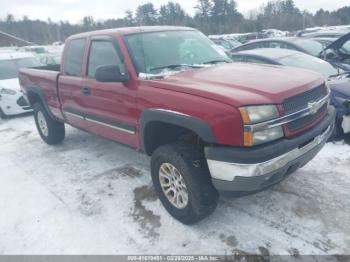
(9,68)
(161,49)
(309,62)
(312,47)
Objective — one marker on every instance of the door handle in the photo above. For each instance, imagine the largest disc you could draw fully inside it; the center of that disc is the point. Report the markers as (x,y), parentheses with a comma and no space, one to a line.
(86,90)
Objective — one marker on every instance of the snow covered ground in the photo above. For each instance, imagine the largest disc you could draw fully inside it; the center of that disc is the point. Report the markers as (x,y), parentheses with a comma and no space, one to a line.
(93,196)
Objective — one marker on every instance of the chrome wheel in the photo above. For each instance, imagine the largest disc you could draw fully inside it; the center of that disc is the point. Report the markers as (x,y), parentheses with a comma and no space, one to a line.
(42,124)
(173,185)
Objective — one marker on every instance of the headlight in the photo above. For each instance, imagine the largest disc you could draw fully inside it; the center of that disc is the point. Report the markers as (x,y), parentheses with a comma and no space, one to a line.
(5,91)
(256,114)
(328,87)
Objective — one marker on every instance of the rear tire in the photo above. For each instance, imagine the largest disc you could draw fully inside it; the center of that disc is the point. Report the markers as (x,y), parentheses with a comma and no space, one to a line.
(191,166)
(50,130)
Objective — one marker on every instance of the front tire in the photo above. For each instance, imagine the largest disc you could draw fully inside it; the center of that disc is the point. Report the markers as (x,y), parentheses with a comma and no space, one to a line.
(50,130)
(182,181)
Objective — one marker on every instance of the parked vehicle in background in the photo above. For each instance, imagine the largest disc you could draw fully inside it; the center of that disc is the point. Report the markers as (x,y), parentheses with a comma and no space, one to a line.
(7,49)
(208,124)
(227,44)
(58,43)
(50,59)
(270,33)
(246,37)
(34,49)
(339,81)
(327,31)
(324,41)
(12,101)
(338,51)
(303,45)
(238,39)
(48,55)
(294,43)
(325,34)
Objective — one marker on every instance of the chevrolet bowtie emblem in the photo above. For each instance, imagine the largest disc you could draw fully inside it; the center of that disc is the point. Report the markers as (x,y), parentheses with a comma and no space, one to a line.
(313,107)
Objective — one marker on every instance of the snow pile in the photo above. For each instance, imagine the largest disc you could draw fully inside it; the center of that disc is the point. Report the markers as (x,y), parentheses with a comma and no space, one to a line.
(91,196)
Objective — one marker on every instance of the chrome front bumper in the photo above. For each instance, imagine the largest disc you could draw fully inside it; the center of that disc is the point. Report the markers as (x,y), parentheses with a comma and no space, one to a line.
(228,171)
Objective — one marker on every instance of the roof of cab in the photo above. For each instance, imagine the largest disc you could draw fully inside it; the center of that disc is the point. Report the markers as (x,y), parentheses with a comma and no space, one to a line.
(132,30)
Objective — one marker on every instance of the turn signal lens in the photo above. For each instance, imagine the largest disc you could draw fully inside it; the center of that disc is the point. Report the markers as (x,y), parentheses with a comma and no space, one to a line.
(245,115)
(248,138)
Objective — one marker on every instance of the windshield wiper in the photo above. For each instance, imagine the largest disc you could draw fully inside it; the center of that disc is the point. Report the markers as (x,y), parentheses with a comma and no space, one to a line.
(216,62)
(174,66)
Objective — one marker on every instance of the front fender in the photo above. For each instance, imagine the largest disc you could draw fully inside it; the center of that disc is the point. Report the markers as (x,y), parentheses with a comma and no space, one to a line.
(201,128)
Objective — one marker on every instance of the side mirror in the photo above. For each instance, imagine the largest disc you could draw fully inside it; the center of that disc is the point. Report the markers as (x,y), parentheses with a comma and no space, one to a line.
(110,73)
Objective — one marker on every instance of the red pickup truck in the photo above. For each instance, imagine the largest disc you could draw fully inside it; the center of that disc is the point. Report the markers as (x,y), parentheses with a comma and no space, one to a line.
(208,124)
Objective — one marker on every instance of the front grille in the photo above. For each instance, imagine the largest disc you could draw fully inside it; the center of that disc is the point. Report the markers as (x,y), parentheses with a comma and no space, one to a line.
(300,123)
(22,102)
(299,102)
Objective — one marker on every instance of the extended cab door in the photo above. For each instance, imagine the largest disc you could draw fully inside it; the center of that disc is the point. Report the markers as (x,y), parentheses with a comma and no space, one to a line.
(70,82)
(108,107)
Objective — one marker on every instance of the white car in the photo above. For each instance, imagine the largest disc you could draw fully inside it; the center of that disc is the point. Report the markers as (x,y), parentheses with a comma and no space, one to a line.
(12,101)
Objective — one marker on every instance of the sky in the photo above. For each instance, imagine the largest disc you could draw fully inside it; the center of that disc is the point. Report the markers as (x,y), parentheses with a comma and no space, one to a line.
(74,10)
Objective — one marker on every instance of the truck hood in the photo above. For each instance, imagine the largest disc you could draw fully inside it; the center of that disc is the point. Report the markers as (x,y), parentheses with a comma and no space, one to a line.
(240,84)
(12,84)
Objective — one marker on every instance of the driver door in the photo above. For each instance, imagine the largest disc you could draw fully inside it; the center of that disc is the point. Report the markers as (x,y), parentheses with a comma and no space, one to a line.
(108,107)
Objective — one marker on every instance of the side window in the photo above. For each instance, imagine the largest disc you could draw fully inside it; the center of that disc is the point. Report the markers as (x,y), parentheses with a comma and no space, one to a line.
(255,60)
(238,59)
(252,46)
(263,45)
(288,46)
(276,45)
(74,57)
(103,53)
(246,47)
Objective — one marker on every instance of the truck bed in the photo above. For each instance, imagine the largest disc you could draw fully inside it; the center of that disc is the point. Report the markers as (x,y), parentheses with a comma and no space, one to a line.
(44,80)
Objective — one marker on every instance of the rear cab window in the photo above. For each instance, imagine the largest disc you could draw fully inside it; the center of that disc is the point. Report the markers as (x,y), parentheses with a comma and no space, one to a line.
(74,57)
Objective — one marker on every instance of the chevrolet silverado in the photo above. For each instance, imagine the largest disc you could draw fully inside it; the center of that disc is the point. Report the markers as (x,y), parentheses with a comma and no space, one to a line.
(209,125)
